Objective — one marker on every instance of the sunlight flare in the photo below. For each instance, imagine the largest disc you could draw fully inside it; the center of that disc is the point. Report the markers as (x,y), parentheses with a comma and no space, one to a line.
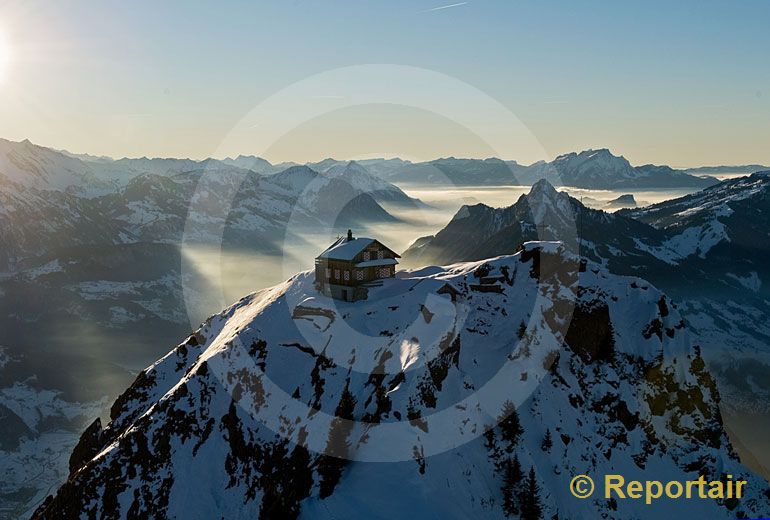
(5,57)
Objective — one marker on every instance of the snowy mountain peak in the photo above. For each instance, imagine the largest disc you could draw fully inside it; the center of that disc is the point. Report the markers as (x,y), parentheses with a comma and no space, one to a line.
(443,376)
(361,179)
(543,188)
(600,153)
(601,158)
(294,178)
(603,153)
(347,169)
(550,209)
(29,165)
(251,162)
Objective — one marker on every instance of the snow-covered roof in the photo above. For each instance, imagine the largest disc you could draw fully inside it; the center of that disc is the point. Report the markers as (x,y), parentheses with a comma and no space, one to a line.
(549,246)
(449,286)
(378,262)
(344,249)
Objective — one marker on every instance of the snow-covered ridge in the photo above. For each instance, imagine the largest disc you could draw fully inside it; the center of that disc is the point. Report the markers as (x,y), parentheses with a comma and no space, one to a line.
(713,202)
(266,395)
(700,221)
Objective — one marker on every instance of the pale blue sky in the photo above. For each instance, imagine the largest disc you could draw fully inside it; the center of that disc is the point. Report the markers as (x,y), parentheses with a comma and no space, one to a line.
(682,83)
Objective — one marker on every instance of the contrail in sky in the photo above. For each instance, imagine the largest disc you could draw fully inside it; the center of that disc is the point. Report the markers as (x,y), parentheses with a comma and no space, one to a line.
(444,7)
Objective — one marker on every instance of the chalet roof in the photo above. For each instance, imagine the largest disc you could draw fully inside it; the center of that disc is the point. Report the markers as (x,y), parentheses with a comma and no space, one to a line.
(344,249)
(377,262)
(347,248)
(449,287)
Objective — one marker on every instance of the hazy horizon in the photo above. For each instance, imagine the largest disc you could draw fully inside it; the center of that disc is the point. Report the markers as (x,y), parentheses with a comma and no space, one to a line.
(150,79)
(365,157)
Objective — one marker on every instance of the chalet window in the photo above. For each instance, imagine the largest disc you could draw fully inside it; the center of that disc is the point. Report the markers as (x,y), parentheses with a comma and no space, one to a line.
(367,256)
(379,254)
(328,273)
(336,274)
(347,276)
(384,272)
(359,275)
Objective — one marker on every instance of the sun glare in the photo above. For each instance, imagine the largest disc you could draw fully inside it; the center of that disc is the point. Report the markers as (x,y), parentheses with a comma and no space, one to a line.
(5,57)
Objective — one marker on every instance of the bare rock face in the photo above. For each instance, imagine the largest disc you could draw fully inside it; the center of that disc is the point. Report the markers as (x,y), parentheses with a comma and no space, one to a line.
(88,446)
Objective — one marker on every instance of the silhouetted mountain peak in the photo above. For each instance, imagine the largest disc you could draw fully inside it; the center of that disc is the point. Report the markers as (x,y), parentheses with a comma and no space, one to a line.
(542,188)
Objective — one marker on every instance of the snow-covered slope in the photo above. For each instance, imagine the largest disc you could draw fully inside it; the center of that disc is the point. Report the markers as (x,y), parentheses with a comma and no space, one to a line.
(341,192)
(27,165)
(404,405)
(42,419)
(708,204)
(35,222)
(32,166)
(722,230)
(39,431)
(360,179)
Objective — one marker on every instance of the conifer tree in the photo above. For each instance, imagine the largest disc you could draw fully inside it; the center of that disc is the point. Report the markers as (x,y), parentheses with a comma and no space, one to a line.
(333,461)
(529,501)
(547,441)
(510,426)
(516,474)
(512,477)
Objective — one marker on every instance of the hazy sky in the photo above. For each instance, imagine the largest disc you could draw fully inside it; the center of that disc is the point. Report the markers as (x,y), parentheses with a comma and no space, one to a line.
(683,83)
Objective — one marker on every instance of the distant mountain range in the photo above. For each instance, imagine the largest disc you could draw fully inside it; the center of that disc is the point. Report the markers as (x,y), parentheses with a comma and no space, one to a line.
(51,200)
(715,170)
(591,169)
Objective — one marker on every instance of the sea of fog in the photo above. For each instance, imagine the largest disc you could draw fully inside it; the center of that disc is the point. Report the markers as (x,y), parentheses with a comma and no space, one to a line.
(501,196)
(226,276)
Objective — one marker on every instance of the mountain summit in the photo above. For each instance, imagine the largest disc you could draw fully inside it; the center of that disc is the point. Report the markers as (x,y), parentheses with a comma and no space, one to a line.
(433,397)
(480,231)
(600,169)
(593,166)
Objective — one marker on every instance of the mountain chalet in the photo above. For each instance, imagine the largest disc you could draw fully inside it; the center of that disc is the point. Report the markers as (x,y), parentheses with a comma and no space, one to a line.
(350,265)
